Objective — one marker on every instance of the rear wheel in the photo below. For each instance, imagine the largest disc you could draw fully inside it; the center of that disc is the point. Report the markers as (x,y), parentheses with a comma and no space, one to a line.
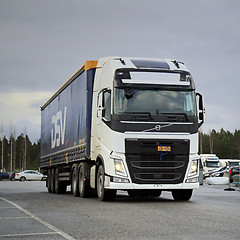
(75,187)
(84,180)
(22,179)
(104,194)
(182,194)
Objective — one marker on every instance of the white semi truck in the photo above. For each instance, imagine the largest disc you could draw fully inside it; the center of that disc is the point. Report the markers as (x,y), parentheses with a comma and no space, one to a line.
(210,162)
(123,124)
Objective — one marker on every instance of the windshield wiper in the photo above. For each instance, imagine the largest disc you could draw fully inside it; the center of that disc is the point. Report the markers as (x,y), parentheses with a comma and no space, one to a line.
(146,113)
(181,114)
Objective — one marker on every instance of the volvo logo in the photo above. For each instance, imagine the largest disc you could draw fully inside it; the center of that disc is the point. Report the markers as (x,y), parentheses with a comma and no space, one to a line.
(158,127)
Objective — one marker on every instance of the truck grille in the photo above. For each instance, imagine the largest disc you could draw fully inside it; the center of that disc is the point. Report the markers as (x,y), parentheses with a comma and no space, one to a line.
(148,165)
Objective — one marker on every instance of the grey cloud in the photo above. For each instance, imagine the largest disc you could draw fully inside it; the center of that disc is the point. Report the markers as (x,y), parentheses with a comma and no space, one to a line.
(44,42)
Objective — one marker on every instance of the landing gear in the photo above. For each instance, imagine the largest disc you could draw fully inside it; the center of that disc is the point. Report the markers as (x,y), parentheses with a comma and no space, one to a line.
(49,176)
(60,186)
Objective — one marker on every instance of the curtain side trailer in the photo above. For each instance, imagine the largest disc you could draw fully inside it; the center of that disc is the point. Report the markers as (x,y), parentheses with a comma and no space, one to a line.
(123,124)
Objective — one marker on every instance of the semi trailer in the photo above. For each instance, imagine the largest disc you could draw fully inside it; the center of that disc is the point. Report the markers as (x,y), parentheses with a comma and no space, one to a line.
(123,123)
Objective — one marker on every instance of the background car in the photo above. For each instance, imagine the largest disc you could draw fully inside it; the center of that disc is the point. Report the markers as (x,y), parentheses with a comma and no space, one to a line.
(233,171)
(4,175)
(12,176)
(30,175)
(218,172)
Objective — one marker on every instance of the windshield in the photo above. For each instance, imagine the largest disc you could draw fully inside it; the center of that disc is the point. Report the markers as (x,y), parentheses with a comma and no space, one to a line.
(155,102)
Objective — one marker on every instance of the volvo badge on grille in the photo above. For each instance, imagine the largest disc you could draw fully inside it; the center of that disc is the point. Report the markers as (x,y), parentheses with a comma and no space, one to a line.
(158,127)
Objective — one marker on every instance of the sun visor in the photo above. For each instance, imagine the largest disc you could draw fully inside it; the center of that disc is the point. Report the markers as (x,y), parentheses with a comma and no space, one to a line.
(162,78)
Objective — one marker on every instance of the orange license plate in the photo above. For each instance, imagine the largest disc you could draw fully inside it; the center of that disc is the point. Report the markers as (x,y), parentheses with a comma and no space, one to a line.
(164,149)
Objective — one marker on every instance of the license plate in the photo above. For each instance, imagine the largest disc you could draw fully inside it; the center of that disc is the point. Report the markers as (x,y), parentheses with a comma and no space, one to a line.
(164,148)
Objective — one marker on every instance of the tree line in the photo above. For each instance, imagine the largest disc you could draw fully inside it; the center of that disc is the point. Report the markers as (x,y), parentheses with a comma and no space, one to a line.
(225,144)
(18,154)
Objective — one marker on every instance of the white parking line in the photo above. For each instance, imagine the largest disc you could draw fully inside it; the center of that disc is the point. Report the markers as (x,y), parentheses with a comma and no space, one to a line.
(56,230)
(6,207)
(2,218)
(27,234)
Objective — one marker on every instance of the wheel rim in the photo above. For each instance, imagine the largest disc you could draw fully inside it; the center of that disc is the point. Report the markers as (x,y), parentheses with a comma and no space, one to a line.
(74,182)
(81,181)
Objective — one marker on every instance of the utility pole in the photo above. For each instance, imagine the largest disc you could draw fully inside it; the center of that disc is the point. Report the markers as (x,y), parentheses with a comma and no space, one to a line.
(1,137)
(25,149)
(11,150)
(200,142)
(211,139)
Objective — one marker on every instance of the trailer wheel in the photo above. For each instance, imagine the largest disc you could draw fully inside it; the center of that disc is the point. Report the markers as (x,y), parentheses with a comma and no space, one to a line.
(74,186)
(84,180)
(182,194)
(49,180)
(60,187)
(104,194)
(53,180)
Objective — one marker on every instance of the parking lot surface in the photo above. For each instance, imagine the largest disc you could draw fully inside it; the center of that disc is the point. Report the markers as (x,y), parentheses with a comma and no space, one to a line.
(28,211)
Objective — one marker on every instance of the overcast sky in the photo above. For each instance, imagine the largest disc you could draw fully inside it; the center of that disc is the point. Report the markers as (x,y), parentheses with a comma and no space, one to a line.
(43,42)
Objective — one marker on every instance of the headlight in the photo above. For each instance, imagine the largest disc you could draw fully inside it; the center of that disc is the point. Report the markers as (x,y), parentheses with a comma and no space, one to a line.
(119,167)
(193,168)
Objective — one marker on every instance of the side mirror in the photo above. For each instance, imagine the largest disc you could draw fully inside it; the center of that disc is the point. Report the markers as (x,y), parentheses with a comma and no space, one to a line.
(201,109)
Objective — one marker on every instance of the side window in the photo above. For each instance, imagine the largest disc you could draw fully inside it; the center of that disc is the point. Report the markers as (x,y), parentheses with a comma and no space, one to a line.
(106,104)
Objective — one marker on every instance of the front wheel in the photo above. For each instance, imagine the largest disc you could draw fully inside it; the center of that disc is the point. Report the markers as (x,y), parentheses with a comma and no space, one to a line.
(104,194)
(22,179)
(182,194)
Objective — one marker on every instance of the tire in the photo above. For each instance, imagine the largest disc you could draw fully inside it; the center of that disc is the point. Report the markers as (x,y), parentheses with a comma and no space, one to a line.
(182,194)
(84,180)
(22,179)
(102,193)
(49,176)
(75,181)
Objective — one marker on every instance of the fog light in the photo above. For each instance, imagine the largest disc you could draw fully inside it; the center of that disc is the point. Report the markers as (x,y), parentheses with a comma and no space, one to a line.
(192,180)
(120,180)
